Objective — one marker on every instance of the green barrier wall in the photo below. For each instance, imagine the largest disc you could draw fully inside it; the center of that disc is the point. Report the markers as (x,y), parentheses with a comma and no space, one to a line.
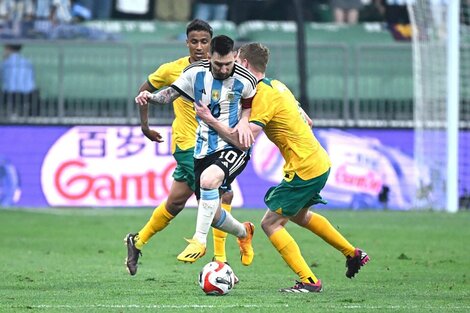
(353,72)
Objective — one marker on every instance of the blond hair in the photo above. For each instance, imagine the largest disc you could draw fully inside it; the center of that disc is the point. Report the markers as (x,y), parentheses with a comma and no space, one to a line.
(256,54)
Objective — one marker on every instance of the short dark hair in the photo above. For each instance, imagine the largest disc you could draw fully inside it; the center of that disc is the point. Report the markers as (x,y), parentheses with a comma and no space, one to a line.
(199,25)
(222,44)
(14,47)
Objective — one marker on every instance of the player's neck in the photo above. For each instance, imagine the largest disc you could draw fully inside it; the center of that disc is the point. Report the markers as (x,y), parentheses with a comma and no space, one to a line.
(259,76)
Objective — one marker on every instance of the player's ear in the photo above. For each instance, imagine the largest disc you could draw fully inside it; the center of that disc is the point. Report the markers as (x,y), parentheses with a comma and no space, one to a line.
(243,62)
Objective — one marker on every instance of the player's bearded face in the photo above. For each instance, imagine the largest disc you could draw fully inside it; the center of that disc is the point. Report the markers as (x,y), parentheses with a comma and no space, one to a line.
(222,65)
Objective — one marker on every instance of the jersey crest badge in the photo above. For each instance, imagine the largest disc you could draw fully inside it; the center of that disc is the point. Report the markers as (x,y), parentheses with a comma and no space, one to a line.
(215,95)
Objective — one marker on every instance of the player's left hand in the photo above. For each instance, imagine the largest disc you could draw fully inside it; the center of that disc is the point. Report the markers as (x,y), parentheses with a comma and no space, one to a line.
(202,110)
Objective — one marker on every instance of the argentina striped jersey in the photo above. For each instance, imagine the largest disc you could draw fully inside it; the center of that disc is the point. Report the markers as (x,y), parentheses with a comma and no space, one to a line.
(224,97)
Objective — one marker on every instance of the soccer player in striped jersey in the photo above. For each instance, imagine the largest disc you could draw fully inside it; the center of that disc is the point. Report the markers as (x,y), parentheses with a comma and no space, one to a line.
(199,34)
(307,166)
(228,89)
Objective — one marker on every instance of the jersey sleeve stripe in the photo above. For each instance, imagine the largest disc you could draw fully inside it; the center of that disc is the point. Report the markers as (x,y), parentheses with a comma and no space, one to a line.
(246,74)
(258,123)
(182,93)
(203,63)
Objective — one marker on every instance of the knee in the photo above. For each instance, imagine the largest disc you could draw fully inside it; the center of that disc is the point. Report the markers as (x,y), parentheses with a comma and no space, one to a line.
(266,226)
(208,181)
(272,222)
(299,220)
(302,218)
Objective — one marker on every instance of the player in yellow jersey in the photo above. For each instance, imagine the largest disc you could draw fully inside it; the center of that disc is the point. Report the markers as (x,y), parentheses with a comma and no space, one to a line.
(307,165)
(199,34)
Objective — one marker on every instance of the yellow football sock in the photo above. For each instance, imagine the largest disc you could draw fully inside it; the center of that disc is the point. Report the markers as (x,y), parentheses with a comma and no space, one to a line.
(290,252)
(220,238)
(159,220)
(320,226)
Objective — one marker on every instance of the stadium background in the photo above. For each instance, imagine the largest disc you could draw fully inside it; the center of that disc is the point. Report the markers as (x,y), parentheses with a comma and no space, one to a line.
(66,160)
(360,95)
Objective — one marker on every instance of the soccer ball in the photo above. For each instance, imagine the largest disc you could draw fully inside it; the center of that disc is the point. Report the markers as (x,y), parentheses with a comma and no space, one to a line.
(216,278)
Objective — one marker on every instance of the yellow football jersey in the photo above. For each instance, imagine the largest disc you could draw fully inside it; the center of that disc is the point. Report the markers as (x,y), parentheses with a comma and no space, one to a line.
(277,111)
(185,124)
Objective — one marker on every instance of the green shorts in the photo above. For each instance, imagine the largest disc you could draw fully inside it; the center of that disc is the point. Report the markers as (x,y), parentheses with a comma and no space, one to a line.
(288,198)
(184,171)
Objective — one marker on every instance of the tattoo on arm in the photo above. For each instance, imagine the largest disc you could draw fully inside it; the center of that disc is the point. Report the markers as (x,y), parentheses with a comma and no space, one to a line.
(167,95)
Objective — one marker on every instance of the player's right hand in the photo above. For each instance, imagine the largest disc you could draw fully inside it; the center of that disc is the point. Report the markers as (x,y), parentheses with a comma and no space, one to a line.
(152,135)
(143,97)
(245,135)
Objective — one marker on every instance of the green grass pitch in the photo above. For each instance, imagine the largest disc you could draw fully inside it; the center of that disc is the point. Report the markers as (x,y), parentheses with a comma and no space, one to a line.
(72,260)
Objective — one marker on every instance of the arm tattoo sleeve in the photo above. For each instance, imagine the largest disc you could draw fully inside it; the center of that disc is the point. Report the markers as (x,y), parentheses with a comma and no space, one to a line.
(167,95)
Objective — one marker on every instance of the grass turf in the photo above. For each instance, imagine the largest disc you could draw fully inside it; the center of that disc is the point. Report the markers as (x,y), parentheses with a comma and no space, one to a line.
(72,260)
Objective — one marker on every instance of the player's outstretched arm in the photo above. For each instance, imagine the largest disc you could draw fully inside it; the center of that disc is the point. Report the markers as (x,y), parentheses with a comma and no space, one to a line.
(164,96)
(144,124)
(143,99)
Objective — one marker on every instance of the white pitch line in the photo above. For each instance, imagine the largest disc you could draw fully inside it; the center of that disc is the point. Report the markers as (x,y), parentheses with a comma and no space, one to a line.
(397,307)
(210,306)
(147,306)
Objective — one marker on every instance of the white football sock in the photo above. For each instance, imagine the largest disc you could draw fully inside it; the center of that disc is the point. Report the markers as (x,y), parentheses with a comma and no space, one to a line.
(229,224)
(208,205)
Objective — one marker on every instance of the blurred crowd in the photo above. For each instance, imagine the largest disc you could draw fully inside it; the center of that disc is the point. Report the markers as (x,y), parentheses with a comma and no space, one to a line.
(57,18)
(51,19)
